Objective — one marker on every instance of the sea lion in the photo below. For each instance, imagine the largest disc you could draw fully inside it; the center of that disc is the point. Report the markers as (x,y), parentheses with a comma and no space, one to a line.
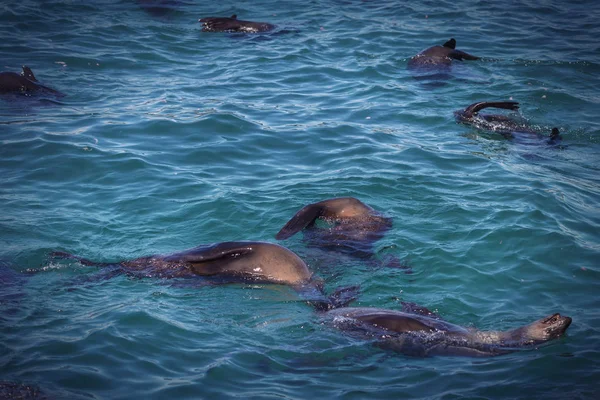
(255,261)
(232,24)
(350,225)
(439,56)
(506,126)
(232,262)
(422,335)
(26,82)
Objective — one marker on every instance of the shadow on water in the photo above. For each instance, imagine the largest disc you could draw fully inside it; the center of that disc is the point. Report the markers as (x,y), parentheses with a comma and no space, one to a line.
(161,8)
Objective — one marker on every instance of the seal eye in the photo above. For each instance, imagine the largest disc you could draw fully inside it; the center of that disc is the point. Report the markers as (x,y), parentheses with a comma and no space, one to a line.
(552,320)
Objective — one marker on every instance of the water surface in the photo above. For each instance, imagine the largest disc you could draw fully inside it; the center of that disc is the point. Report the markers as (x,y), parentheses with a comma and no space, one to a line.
(170,137)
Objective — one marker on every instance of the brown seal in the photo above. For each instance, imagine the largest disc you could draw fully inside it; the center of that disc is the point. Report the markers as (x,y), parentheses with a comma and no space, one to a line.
(344,223)
(228,262)
(422,333)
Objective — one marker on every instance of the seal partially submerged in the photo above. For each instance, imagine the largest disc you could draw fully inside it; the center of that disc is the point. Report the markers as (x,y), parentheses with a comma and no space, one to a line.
(346,224)
(421,333)
(26,82)
(503,124)
(232,24)
(439,56)
(228,262)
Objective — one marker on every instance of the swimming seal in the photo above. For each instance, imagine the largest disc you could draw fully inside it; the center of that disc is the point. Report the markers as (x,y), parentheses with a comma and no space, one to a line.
(228,262)
(439,56)
(256,261)
(506,126)
(232,24)
(349,223)
(26,82)
(421,333)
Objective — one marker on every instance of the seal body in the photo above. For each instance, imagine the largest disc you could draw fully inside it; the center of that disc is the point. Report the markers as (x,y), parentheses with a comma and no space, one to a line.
(428,335)
(255,261)
(508,127)
(232,24)
(11,82)
(439,56)
(346,224)
(229,262)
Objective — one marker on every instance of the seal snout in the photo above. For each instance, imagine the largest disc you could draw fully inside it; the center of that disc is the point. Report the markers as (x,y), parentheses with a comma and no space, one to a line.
(556,325)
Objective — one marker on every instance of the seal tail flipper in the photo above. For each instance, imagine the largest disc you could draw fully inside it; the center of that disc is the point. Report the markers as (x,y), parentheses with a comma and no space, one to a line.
(212,252)
(84,261)
(27,73)
(303,218)
(476,107)
(341,297)
(461,55)
(451,44)
(555,137)
(207,260)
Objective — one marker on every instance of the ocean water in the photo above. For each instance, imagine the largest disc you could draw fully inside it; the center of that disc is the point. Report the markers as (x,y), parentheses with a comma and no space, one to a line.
(169,137)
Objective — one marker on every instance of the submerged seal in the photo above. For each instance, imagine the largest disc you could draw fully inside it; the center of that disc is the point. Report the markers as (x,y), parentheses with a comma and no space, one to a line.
(422,333)
(231,262)
(232,24)
(349,223)
(26,82)
(505,125)
(439,56)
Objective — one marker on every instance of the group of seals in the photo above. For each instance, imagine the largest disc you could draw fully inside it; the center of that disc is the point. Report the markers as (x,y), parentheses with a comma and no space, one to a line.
(415,331)
(438,59)
(339,223)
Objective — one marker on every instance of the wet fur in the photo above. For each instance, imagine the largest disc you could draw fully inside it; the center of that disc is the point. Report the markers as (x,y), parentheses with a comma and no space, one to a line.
(417,333)
(232,24)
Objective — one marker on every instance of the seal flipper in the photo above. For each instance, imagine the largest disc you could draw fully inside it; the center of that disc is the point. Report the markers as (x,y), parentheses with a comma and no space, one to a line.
(451,44)
(555,137)
(341,297)
(27,73)
(212,252)
(303,218)
(476,107)
(461,55)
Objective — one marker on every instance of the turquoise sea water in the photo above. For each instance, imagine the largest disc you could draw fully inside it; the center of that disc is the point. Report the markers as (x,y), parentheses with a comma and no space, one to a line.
(169,137)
